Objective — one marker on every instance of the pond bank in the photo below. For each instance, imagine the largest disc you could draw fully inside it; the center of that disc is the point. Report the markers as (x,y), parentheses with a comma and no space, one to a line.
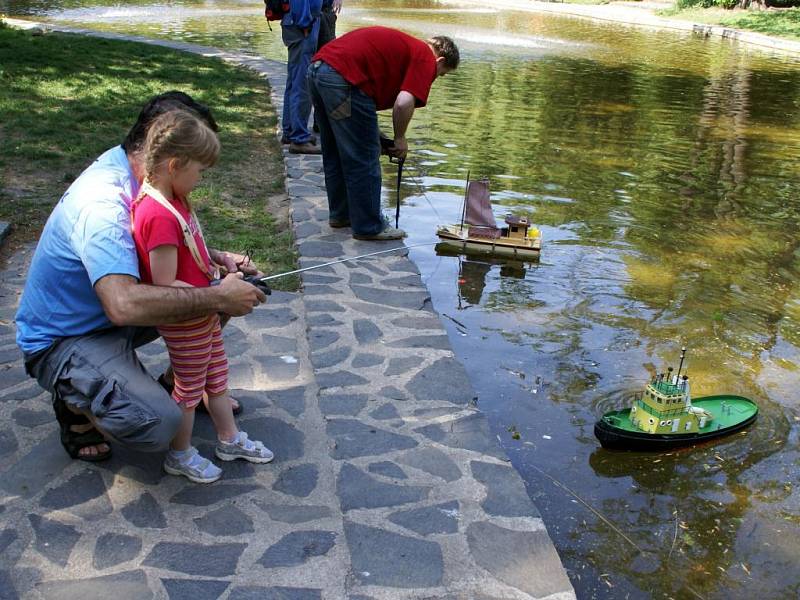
(387,481)
(641,14)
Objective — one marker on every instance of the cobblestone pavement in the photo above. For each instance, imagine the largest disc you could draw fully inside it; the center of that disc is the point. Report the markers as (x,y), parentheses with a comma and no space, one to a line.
(386,484)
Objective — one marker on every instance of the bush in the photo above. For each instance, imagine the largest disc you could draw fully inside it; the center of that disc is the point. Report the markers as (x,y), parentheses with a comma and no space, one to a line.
(682,4)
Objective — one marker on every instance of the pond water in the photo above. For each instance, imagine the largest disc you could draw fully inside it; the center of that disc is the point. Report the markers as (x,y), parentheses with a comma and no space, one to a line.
(662,170)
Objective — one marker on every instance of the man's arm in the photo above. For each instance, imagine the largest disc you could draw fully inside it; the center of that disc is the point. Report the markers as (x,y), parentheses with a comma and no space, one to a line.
(128,302)
(402,112)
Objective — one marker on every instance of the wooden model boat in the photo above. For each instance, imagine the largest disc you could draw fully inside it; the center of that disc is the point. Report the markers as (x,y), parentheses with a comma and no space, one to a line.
(664,416)
(478,232)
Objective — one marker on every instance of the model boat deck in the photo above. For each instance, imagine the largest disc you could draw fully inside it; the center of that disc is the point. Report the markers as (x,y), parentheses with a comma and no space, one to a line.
(478,232)
(728,411)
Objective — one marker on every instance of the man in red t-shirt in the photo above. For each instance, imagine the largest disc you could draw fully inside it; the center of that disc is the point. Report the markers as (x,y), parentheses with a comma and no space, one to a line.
(352,77)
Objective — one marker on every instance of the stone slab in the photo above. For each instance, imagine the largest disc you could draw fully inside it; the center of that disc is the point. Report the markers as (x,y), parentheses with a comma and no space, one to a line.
(385,558)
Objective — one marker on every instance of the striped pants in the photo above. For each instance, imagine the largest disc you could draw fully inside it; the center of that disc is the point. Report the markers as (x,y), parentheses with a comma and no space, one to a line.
(198,359)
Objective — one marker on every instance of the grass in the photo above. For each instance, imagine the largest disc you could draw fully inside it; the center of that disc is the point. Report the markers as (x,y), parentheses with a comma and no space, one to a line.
(66,98)
(778,22)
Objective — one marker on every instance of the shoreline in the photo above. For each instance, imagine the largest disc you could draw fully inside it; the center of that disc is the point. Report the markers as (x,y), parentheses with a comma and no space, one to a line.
(641,14)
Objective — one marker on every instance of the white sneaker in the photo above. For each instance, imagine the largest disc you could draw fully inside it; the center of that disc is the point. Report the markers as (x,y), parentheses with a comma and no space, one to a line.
(192,466)
(388,233)
(241,447)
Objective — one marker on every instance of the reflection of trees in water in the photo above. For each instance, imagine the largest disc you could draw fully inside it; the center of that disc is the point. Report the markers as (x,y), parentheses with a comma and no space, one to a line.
(709,203)
(694,549)
(722,261)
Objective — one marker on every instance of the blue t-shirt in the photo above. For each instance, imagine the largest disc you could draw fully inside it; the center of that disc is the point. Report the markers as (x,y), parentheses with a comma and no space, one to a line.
(87,236)
(302,13)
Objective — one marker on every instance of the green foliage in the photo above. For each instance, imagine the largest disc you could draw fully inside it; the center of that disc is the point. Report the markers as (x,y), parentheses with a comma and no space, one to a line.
(783,23)
(61,110)
(683,4)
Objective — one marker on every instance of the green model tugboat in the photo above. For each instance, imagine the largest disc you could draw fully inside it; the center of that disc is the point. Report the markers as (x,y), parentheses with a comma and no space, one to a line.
(664,416)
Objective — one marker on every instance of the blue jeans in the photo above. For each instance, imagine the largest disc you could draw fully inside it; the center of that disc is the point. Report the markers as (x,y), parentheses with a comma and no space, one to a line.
(351,150)
(296,102)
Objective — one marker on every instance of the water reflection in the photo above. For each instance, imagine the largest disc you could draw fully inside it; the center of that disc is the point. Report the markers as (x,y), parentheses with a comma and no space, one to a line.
(661,169)
(472,276)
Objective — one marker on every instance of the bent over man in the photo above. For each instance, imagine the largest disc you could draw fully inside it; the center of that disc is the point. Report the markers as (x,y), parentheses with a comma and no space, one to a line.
(83,311)
(352,77)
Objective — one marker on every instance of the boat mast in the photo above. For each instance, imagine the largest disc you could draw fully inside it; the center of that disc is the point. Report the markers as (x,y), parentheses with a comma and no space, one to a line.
(680,366)
(464,206)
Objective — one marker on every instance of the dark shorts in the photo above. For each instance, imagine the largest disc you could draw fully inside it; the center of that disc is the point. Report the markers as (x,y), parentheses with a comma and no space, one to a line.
(100,373)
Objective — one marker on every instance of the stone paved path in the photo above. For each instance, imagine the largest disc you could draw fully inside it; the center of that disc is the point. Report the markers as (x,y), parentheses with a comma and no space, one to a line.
(386,484)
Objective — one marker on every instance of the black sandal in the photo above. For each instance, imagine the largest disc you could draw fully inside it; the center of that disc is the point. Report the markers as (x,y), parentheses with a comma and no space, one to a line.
(162,381)
(73,441)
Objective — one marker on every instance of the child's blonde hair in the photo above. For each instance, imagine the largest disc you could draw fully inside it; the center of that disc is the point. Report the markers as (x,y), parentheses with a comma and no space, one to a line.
(182,135)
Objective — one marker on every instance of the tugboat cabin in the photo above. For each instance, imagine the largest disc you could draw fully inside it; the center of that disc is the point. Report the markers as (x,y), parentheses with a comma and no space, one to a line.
(665,407)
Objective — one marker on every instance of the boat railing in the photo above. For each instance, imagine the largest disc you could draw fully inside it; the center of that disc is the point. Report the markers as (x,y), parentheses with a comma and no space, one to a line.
(667,388)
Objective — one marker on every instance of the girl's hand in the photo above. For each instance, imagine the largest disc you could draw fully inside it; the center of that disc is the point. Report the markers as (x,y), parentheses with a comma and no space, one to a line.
(235,263)
(227,261)
(250,269)
(246,265)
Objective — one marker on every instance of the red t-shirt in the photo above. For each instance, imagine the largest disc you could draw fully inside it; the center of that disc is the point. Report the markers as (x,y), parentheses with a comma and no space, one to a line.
(154,226)
(382,62)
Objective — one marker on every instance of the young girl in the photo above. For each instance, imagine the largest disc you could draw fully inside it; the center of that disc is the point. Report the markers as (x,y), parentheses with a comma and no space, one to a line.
(172,252)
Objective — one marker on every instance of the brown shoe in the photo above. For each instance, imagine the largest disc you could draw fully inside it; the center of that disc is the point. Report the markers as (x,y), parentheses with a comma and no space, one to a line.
(336,223)
(304,148)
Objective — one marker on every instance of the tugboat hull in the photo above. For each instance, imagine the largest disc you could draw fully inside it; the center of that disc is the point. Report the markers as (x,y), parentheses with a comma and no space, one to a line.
(616,433)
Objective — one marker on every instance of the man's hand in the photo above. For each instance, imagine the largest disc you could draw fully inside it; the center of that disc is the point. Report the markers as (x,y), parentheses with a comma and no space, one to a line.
(400,148)
(239,297)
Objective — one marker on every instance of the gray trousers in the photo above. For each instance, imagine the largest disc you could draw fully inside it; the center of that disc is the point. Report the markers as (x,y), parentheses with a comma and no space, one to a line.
(100,373)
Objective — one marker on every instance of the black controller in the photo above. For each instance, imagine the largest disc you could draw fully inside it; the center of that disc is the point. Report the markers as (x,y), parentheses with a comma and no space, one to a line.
(256,281)
(253,280)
